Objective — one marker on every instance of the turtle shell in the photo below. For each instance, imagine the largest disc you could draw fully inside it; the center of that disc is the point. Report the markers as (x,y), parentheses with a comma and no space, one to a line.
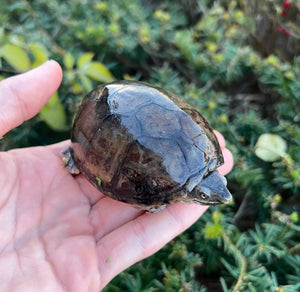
(145,146)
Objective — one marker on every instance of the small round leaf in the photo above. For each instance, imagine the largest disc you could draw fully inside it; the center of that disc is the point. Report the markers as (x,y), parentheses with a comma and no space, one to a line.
(270,147)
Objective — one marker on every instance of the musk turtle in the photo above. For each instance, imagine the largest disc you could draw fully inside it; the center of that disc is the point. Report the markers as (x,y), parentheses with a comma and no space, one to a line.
(145,146)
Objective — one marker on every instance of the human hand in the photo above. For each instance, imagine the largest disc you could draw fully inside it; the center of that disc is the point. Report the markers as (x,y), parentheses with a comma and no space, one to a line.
(58,233)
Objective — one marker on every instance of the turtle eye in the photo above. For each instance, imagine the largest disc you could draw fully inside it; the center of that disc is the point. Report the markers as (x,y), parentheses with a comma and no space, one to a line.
(203,196)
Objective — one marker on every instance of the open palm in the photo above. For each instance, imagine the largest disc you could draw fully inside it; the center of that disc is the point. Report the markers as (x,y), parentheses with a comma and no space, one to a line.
(57,232)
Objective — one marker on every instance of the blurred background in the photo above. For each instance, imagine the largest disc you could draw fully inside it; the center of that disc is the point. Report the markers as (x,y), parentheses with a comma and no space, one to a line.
(238,62)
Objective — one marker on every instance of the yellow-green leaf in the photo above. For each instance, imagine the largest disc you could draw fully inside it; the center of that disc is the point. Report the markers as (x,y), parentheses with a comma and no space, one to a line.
(53,113)
(294,217)
(40,54)
(212,231)
(84,60)
(16,57)
(77,88)
(270,147)
(16,40)
(1,33)
(70,75)
(98,181)
(86,82)
(217,217)
(69,61)
(107,260)
(99,72)
(128,77)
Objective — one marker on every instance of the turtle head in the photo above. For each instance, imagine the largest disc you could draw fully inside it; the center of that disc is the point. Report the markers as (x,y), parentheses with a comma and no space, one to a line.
(211,190)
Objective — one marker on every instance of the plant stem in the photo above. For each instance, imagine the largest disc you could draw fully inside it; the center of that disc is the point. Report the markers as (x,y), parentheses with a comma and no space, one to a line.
(240,258)
(294,248)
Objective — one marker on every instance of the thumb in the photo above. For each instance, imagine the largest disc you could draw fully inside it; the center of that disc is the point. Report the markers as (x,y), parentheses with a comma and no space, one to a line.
(22,96)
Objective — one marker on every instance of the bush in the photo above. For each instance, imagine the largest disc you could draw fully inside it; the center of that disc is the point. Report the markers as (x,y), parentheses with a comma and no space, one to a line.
(238,63)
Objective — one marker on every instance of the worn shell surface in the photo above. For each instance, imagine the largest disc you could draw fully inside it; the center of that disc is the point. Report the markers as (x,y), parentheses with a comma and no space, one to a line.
(145,146)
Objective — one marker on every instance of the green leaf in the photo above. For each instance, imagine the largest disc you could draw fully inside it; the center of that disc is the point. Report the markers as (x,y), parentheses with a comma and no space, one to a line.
(16,40)
(53,113)
(270,147)
(16,57)
(86,82)
(40,54)
(98,181)
(69,61)
(99,72)
(77,88)
(107,260)
(1,33)
(84,60)
(212,231)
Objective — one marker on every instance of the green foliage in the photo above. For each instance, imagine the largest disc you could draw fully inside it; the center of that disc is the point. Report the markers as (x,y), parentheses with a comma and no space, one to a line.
(242,75)
(53,113)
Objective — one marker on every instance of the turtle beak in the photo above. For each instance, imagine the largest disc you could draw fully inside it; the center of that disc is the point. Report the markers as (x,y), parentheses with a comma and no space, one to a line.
(211,190)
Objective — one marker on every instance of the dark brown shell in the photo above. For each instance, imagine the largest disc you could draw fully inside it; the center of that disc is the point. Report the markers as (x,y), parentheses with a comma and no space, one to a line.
(145,146)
